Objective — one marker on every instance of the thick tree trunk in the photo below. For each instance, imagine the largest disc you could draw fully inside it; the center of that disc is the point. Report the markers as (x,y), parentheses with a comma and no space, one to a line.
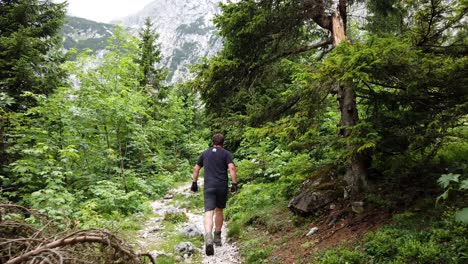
(356,175)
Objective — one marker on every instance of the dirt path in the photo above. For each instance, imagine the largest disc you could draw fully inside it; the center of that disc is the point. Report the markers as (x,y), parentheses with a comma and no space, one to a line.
(159,237)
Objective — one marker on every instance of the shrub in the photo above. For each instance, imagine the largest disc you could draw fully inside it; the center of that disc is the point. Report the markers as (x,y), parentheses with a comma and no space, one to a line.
(339,256)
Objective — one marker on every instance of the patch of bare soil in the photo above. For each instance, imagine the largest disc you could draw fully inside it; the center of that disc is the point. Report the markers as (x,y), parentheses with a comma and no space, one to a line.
(340,227)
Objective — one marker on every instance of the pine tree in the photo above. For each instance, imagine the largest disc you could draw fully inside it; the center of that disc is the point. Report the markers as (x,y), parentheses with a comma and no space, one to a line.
(150,56)
(29,56)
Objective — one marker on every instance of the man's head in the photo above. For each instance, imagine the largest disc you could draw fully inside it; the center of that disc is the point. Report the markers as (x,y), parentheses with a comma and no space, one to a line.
(218,139)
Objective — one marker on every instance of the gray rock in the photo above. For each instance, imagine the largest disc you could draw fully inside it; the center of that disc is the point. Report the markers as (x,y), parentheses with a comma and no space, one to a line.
(171,210)
(357,207)
(319,191)
(306,203)
(312,231)
(192,231)
(184,248)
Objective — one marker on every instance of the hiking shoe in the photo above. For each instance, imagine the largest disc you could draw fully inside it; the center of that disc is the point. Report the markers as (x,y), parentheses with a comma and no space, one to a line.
(217,238)
(209,249)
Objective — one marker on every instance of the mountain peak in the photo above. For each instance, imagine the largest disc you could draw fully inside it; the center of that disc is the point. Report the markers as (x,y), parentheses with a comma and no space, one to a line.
(186,31)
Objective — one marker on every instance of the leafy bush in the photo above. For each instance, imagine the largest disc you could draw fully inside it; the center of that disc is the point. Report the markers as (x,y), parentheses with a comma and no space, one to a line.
(244,206)
(110,196)
(454,183)
(57,202)
(339,256)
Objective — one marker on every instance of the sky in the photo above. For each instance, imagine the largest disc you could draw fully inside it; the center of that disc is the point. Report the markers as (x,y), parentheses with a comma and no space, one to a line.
(104,10)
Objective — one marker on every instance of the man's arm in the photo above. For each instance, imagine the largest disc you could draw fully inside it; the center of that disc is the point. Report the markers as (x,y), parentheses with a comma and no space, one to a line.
(232,172)
(196,172)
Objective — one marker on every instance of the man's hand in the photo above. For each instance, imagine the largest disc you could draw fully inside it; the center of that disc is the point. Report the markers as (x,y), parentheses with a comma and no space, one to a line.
(233,188)
(194,187)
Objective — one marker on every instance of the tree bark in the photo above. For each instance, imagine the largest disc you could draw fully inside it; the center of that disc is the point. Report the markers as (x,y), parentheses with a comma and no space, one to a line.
(356,174)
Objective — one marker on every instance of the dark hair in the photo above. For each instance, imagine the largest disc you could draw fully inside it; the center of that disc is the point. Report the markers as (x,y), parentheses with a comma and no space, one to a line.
(218,139)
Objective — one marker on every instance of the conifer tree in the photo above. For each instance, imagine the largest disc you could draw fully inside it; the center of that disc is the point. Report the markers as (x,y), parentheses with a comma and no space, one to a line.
(29,56)
(150,56)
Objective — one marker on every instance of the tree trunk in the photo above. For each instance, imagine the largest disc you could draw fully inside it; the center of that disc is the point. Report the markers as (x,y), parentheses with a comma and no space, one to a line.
(356,173)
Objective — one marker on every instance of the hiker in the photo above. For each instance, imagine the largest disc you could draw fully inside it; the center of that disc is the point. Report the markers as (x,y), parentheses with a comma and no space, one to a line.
(216,161)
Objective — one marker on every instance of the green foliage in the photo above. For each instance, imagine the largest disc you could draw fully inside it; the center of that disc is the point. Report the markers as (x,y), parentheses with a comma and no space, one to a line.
(234,230)
(29,49)
(415,238)
(246,205)
(110,196)
(98,152)
(425,246)
(407,67)
(258,256)
(176,217)
(150,55)
(338,256)
(452,183)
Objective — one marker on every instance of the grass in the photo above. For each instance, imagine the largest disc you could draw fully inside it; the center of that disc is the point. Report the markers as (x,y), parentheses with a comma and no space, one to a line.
(193,203)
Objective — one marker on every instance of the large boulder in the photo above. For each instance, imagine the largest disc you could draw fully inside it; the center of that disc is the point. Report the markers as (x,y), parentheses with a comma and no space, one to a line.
(320,190)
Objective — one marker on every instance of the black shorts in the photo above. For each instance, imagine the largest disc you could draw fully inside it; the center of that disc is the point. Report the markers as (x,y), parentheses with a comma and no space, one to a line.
(215,198)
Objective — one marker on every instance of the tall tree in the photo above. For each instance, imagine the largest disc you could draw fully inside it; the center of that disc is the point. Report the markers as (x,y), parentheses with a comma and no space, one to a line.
(243,79)
(258,33)
(29,55)
(336,23)
(150,56)
(29,42)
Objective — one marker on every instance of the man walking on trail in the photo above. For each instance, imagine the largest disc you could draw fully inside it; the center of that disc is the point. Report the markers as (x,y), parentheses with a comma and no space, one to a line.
(216,161)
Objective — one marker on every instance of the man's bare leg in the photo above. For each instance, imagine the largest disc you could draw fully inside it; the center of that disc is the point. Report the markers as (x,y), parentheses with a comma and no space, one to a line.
(208,222)
(219,219)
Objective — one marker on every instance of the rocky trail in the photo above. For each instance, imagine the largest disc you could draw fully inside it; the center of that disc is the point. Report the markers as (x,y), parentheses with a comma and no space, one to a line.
(175,231)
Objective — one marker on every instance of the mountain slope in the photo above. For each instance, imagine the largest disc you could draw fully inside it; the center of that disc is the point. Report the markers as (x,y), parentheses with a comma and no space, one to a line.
(82,33)
(186,32)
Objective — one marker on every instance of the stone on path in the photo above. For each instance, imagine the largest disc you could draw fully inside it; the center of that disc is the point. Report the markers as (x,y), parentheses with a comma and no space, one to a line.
(192,231)
(185,249)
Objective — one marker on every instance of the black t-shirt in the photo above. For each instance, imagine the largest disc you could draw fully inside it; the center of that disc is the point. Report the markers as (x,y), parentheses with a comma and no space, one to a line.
(215,160)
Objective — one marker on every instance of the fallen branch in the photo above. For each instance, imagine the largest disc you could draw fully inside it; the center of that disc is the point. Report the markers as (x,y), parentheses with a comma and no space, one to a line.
(22,242)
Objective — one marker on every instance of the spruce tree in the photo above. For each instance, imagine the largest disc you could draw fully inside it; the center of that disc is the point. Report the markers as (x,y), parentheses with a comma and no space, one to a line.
(29,55)
(150,56)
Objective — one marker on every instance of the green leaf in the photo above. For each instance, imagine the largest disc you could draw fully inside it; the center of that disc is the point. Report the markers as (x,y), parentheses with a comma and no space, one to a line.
(445,179)
(443,196)
(368,145)
(464,185)
(462,215)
